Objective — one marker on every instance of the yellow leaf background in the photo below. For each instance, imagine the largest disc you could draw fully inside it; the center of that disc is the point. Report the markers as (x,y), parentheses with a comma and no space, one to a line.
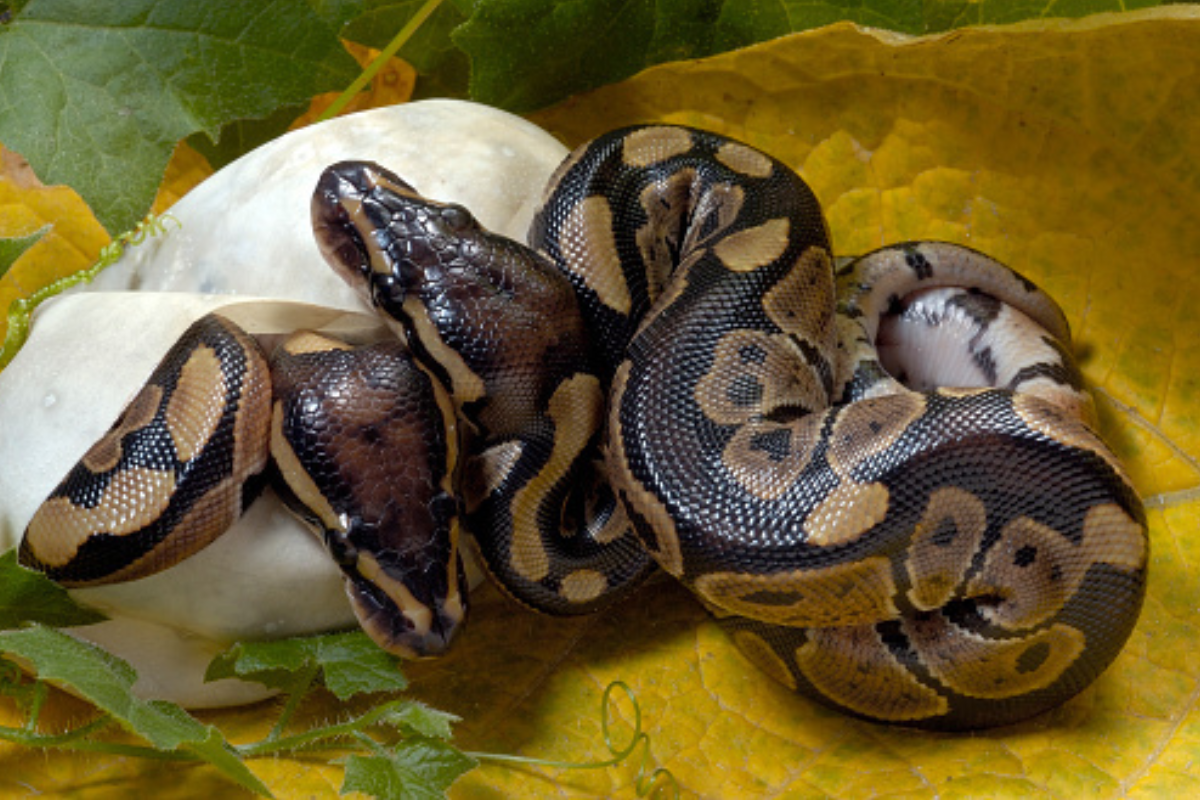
(1069,150)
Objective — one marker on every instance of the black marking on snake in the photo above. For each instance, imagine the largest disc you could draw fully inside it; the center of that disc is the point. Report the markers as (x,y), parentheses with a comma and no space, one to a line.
(919,264)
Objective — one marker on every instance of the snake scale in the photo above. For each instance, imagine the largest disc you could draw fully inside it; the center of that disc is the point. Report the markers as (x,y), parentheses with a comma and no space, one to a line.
(883,480)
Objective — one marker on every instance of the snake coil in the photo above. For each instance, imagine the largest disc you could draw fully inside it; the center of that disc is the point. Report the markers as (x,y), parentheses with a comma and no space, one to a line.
(882,480)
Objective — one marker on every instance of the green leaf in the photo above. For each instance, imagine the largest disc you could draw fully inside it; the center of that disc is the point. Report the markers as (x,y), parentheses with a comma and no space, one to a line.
(415,769)
(240,137)
(526,54)
(12,249)
(96,95)
(352,664)
(27,597)
(421,720)
(107,682)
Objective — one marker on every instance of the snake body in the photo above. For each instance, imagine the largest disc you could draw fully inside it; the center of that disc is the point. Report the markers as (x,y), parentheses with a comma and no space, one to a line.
(673,370)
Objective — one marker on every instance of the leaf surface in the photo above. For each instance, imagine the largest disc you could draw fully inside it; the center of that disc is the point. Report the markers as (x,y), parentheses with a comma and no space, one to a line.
(27,596)
(1069,150)
(97,94)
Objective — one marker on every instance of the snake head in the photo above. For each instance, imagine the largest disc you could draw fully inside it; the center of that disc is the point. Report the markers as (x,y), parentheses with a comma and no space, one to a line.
(381,236)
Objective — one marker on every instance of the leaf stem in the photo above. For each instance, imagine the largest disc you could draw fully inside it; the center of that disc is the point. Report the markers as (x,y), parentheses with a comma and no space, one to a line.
(398,41)
(296,693)
(318,736)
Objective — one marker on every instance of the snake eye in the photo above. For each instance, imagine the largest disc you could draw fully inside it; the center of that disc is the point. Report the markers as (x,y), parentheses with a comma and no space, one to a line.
(387,291)
(457,219)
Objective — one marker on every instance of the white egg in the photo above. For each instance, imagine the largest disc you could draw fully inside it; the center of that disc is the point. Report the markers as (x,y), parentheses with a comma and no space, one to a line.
(245,232)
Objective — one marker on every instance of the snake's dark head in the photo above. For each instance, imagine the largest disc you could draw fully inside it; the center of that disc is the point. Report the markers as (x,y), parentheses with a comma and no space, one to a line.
(380,235)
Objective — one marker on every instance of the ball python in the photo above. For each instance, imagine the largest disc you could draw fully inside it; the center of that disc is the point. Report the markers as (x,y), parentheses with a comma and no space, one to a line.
(883,480)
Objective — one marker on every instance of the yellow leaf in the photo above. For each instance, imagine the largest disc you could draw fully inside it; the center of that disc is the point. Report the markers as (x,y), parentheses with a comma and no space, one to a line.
(1070,151)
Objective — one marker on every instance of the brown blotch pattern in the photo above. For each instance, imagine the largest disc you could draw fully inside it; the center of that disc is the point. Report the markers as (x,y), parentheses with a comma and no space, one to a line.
(944,541)
(583,585)
(665,549)
(802,303)
(763,656)
(752,248)
(849,511)
(486,472)
(576,409)
(106,453)
(206,520)
(1036,570)
(586,237)
(1059,424)
(869,427)
(767,471)
(649,146)
(854,593)
(133,499)
(755,373)
(746,160)
(855,668)
(196,403)
(993,669)
(302,342)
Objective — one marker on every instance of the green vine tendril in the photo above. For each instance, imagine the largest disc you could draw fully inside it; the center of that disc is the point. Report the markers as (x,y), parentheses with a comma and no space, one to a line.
(21,310)
(646,785)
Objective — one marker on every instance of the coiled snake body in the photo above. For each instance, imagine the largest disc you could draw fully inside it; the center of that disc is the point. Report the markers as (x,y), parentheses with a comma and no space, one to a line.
(936,538)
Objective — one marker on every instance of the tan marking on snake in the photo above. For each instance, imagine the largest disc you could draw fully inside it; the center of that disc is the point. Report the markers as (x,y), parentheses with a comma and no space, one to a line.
(1061,426)
(1035,570)
(207,519)
(752,248)
(466,385)
(650,146)
(763,656)
(665,549)
(106,453)
(196,403)
(869,427)
(746,160)
(583,585)
(586,237)
(302,342)
(856,669)
(944,541)
(486,472)
(133,499)
(770,365)
(417,613)
(846,513)
(297,478)
(765,472)
(853,593)
(993,669)
(802,302)
(575,408)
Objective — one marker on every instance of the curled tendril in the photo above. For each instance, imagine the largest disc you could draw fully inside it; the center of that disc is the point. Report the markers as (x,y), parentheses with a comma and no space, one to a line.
(21,310)
(647,783)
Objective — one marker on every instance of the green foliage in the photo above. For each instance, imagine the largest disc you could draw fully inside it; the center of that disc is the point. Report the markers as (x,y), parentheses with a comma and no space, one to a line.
(107,683)
(412,770)
(27,597)
(12,249)
(96,95)
(351,662)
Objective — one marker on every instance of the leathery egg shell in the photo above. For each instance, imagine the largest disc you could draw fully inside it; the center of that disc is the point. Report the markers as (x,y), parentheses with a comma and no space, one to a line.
(241,242)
